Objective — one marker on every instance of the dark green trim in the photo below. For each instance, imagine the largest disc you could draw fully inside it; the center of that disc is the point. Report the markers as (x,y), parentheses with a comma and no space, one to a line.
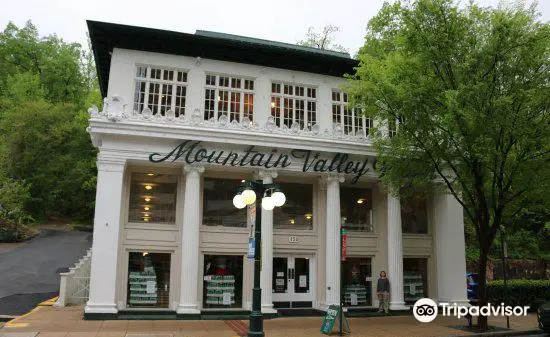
(100,317)
(172,315)
(107,36)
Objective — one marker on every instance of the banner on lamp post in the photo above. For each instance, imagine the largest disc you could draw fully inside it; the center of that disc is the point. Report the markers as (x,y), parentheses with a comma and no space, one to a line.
(344,236)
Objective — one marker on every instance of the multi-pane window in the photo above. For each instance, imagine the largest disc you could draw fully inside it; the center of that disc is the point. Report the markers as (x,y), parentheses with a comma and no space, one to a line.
(228,96)
(393,125)
(351,120)
(292,104)
(160,89)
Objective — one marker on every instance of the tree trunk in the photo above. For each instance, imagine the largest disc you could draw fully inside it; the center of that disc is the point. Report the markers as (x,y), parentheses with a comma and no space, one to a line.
(482,284)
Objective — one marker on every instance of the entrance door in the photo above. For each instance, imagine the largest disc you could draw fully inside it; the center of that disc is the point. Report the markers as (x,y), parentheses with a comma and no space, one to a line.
(292,286)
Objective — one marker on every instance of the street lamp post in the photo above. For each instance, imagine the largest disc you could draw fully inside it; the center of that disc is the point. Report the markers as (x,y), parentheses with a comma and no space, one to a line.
(271,197)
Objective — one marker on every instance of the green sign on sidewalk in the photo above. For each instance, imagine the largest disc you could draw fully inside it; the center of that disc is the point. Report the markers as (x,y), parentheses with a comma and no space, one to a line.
(332,315)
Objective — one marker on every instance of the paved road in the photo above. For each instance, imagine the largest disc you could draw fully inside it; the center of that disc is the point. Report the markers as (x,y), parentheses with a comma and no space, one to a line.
(29,272)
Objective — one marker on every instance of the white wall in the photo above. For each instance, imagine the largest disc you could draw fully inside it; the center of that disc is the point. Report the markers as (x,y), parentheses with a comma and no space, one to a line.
(123,68)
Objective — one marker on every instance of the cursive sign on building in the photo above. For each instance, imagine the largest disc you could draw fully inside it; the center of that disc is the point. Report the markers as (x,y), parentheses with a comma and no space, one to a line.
(192,152)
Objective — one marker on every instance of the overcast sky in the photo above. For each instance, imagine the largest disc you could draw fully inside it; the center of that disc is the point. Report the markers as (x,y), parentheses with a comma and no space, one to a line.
(281,20)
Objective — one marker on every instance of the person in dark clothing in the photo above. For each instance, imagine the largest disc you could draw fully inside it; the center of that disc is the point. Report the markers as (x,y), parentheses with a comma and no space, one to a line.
(383,293)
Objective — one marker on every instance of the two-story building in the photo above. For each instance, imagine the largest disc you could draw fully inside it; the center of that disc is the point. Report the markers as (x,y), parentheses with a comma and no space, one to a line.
(187,118)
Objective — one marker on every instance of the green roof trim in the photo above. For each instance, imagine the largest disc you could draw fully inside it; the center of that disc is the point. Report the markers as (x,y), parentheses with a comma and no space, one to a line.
(270,43)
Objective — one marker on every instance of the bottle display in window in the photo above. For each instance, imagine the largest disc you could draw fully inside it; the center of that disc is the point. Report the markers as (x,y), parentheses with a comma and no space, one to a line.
(357,282)
(148,279)
(223,281)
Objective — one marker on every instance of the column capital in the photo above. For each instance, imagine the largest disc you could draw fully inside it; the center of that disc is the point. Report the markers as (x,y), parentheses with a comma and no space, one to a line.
(198,169)
(334,177)
(322,183)
(263,174)
(110,164)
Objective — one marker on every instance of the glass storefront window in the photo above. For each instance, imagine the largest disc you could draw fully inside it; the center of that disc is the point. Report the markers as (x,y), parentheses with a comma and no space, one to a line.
(222,282)
(297,212)
(148,280)
(415,279)
(356,208)
(357,281)
(153,198)
(414,215)
(218,209)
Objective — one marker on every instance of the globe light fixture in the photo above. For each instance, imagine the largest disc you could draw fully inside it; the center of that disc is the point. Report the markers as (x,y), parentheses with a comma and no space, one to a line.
(268,203)
(238,201)
(249,196)
(279,198)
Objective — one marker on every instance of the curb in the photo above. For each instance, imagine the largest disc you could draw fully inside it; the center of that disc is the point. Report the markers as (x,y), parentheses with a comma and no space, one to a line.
(48,303)
(6,318)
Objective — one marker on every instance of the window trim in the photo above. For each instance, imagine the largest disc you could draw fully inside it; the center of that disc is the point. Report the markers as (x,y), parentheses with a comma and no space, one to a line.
(148,80)
(342,103)
(126,195)
(280,119)
(242,91)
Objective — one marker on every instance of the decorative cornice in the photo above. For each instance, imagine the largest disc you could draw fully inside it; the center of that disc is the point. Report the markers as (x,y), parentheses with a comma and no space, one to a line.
(114,111)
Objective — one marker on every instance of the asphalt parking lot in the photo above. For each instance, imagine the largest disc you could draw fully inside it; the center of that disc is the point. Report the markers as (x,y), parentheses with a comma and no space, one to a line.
(29,271)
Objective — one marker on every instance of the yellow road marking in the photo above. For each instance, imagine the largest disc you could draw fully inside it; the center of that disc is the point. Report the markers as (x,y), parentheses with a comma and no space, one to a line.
(13,323)
(49,302)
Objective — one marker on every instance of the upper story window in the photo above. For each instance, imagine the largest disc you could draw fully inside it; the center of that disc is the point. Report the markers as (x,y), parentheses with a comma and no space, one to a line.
(228,96)
(153,198)
(393,125)
(217,206)
(351,120)
(297,211)
(294,104)
(160,89)
(414,215)
(356,208)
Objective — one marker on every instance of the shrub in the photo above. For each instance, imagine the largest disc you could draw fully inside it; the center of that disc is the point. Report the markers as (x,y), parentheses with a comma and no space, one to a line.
(520,292)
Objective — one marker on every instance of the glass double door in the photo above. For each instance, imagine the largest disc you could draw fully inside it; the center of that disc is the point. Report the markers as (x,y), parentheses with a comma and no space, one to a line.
(292,285)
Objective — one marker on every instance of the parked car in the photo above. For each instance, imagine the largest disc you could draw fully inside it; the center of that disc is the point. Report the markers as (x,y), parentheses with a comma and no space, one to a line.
(471,285)
(543,317)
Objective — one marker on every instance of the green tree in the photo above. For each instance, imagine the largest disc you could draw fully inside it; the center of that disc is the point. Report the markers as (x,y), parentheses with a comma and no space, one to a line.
(323,40)
(48,147)
(46,85)
(467,90)
(58,64)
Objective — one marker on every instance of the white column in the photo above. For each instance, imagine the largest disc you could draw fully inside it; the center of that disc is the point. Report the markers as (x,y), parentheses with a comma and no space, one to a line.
(395,253)
(332,248)
(110,183)
(449,249)
(320,222)
(190,241)
(266,275)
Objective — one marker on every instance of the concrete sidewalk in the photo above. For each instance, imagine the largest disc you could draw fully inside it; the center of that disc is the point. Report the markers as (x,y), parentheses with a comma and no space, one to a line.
(46,321)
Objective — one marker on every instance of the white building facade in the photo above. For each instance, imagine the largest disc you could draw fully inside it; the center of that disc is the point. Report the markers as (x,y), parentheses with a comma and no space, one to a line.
(187,118)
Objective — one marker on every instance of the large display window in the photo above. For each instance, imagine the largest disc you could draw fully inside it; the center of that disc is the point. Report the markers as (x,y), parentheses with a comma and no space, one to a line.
(297,211)
(148,280)
(217,207)
(415,279)
(356,208)
(153,198)
(222,281)
(357,273)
